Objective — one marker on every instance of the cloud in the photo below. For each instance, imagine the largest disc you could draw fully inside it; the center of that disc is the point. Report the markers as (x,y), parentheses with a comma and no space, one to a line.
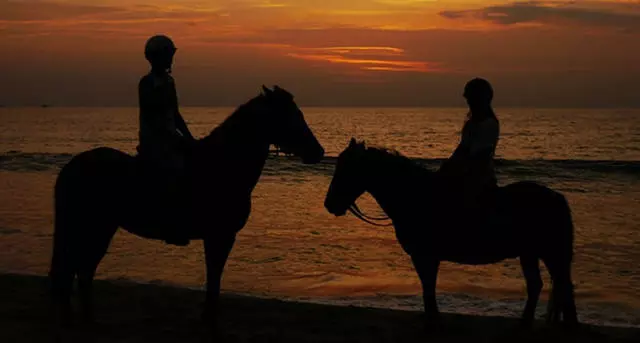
(123,24)
(362,58)
(39,11)
(52,12)
(625,16)
(342,56)
(254,41)
(263,14)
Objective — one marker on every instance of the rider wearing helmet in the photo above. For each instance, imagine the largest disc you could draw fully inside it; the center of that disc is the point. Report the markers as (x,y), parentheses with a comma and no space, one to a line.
(163,135)
(471,167)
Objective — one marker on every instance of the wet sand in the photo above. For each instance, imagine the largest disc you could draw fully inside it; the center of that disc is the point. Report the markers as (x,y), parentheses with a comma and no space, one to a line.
(128,312)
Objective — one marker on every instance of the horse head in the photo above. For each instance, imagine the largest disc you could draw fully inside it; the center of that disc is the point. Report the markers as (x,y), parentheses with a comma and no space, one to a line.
(286,127)
(348,182)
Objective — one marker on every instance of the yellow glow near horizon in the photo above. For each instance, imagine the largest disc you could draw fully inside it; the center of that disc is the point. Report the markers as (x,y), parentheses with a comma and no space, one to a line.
(325,39)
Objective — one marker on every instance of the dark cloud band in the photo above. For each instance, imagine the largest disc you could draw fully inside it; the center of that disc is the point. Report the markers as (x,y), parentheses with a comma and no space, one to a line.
(549,13)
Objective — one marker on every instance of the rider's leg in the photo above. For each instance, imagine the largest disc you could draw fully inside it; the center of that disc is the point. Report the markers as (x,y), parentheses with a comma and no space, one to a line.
(177,233)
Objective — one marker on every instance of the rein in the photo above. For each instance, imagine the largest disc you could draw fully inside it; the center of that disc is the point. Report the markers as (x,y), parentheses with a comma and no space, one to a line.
(367,219)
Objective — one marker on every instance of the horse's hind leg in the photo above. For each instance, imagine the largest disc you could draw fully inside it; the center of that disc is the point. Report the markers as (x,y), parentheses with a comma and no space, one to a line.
(62,271)
(216,250)
(93,251)
(562,302)
(61,277)
(531,270)
(427,269)
(570,313)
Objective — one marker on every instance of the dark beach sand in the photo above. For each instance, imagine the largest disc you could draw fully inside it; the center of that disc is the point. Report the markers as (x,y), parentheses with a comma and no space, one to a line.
(129,312)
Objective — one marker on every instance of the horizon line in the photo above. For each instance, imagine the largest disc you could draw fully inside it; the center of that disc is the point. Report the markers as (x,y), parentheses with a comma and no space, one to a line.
(44,106)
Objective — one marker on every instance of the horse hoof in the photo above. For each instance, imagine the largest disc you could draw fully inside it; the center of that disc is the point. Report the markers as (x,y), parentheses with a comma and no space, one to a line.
(209,328)
(432,323)
(209,318)
(212,336)
(88,318)
(526,323)
(63,320)
(89,324)
(61,325)
(206,317)
(570,325)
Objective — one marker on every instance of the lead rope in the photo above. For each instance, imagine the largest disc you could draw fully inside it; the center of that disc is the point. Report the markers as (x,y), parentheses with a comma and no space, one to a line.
(365,218)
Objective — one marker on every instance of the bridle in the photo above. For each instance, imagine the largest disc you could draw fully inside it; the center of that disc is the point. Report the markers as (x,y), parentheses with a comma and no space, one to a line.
(368,219)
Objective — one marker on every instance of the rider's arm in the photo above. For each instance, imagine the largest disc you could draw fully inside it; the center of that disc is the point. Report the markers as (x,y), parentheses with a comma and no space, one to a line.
(455,165)
(180,123)
(182,126)
(483,145)
(156,107)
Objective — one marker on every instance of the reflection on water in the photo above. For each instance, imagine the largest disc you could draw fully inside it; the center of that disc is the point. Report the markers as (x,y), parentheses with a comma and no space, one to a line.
(291,247)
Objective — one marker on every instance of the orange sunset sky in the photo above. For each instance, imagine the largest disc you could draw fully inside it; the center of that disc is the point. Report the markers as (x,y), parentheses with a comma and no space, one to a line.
(326,52)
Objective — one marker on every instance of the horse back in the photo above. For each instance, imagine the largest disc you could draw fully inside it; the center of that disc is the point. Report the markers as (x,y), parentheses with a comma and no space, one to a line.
(108,185)
(522,216)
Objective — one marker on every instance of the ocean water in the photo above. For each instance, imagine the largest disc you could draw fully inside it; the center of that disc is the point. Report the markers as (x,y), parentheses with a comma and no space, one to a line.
(292,248)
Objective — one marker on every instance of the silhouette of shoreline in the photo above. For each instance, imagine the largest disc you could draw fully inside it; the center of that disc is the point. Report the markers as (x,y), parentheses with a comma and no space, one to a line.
(151,313)
(558,168)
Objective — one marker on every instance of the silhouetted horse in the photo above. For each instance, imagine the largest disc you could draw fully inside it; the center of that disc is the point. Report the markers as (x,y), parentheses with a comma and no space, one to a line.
(522,219)
(102,189)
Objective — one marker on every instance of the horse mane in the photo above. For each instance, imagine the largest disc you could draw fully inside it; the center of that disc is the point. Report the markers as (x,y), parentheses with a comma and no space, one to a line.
(237,115)
(392,160)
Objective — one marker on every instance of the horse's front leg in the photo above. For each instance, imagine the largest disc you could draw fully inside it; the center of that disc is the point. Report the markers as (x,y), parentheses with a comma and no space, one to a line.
(427,269)
(216,250)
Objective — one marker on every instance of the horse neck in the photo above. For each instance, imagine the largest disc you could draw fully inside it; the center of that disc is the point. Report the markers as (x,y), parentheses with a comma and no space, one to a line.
(397,188)
(239,145)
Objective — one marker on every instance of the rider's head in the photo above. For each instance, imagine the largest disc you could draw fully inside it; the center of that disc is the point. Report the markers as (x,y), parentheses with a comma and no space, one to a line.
(479,94)
(159,51)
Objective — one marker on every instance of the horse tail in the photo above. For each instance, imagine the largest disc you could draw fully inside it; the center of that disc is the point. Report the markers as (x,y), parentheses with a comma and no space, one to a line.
(562,298)
(565,221)
(62,270)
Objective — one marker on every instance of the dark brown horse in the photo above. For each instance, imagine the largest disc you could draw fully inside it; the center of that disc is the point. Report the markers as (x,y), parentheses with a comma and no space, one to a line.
(523,219)
(103,189)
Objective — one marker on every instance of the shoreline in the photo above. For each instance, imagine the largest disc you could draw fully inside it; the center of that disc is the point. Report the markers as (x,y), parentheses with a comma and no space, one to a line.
(132,312)
(478,301)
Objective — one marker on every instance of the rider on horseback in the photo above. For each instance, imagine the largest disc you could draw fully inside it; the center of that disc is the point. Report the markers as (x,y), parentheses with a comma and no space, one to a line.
(163,133)
(163,136)
(470,169)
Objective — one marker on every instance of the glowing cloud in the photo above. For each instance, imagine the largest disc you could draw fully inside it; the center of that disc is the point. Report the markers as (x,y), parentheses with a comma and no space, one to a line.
(353,56)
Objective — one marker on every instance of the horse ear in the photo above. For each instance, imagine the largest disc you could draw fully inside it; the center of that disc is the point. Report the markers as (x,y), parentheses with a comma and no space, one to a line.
(266,90)
(352,142)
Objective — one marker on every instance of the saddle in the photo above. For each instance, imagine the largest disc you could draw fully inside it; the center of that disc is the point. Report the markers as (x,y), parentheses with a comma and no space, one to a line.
(164,192)
(491,213)
(486,208)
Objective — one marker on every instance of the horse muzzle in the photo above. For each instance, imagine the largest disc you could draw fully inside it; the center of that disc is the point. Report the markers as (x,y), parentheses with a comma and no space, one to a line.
(314,157)
(331,208)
